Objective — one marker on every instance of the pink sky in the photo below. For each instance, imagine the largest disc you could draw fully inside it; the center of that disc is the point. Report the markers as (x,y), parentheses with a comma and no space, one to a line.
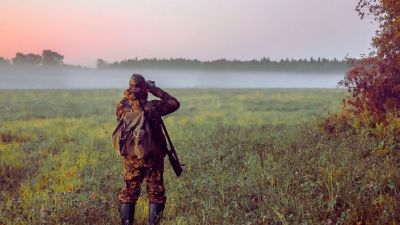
(84,31)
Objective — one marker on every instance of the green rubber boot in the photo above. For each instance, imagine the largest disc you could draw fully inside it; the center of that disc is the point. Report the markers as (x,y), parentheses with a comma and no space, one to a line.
(155,213)
(127,212)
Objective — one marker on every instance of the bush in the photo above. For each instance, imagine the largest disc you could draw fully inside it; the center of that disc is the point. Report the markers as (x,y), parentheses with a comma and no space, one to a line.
(374,81)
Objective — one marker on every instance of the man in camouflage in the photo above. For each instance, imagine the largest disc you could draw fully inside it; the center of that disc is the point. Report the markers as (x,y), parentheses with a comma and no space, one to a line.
(150,167)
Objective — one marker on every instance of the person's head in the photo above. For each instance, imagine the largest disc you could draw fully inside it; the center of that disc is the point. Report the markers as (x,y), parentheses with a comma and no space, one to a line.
(138,87)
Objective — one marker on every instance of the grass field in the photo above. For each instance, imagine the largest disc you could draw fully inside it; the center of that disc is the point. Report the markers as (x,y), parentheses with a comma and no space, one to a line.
(252,157)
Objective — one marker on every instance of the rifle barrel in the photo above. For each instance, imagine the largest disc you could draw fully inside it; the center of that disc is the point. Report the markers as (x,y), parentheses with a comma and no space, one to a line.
(169,140)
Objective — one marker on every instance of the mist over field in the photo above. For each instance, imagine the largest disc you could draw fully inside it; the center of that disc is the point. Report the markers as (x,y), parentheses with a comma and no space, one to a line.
(39,78)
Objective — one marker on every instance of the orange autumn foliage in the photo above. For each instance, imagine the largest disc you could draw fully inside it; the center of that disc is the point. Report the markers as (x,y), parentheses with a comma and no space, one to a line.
(374,81)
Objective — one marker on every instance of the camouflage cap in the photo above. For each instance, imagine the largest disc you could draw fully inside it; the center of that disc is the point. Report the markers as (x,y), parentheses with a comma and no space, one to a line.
(138,87)
(137,78)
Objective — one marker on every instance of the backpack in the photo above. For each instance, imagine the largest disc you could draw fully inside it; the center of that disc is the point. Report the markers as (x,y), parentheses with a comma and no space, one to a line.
(132,136)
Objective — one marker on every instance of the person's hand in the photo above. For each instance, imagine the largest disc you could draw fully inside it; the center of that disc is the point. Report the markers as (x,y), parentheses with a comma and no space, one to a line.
(150,85)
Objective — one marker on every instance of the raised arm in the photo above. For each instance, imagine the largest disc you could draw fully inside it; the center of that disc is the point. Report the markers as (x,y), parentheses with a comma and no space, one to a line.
(167,103)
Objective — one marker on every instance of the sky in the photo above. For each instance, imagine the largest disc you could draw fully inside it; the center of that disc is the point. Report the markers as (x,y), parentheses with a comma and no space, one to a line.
(85,30)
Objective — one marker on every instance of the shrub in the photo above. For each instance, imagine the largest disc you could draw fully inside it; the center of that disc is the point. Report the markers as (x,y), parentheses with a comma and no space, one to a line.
(374,81)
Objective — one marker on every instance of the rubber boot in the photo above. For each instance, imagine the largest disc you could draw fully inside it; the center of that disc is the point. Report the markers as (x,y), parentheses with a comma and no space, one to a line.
(127,212)
(155,213)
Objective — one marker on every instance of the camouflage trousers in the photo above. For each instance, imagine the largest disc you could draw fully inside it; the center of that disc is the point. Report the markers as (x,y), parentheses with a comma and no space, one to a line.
(136,170)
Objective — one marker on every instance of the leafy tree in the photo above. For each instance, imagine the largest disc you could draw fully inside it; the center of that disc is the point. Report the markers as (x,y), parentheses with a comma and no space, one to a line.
(4,61)
(374,81)
(100,63)
(52,58)
(28,59)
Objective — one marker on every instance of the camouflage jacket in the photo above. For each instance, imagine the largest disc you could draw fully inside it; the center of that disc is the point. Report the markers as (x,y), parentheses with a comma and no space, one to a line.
(154,110)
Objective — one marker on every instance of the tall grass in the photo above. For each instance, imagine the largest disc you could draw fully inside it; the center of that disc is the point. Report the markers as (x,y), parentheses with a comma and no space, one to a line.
(252,157)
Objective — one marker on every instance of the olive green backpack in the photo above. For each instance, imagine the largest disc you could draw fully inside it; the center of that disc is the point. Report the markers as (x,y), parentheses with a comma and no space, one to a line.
(132,136)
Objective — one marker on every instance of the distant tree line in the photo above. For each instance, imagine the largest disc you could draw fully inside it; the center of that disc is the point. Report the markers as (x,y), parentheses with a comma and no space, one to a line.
(47,58)
(55,59)
(264,64)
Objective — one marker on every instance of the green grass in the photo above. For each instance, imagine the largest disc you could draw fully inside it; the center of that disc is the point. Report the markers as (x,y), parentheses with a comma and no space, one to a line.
(252,157)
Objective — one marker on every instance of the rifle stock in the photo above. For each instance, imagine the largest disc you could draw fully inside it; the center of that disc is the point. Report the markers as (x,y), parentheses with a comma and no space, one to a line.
(176,166)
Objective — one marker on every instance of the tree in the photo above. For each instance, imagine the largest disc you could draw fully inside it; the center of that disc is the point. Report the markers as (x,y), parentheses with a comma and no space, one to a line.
(28,59)
(51,58)
(100,63)
(374,81)
(4,61)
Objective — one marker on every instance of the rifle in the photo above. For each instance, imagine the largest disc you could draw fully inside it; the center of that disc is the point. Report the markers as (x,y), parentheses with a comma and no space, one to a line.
(172,156)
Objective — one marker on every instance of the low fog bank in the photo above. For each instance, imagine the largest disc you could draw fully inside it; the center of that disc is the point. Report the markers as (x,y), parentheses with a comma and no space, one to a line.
(81,78)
